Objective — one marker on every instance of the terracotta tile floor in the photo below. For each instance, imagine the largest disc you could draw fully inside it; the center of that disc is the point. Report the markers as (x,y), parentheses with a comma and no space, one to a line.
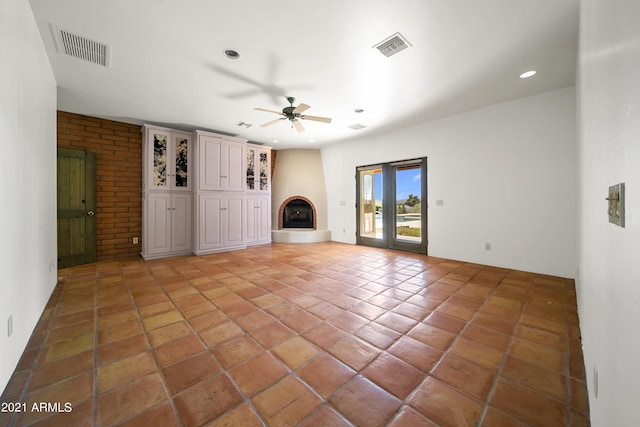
(314,334)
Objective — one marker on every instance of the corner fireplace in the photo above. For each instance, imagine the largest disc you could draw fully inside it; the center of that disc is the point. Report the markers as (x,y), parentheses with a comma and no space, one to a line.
(297,212)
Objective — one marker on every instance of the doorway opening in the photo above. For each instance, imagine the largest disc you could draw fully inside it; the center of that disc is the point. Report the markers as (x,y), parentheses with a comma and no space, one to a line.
(392,205)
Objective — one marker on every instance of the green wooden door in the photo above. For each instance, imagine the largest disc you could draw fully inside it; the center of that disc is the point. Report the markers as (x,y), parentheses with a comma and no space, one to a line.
(76,207)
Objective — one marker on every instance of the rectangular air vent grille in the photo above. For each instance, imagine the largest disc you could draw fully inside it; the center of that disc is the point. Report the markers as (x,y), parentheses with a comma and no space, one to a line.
(392,45)
(82,47)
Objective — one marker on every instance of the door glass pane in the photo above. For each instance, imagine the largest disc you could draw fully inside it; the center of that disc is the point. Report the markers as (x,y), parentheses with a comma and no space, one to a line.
(159,160)
(371,214)
(408,203)
(182,147)
(264,183)
(251,169)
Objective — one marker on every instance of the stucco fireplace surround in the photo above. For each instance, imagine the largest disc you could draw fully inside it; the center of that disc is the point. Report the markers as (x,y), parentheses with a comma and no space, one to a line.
(298,181)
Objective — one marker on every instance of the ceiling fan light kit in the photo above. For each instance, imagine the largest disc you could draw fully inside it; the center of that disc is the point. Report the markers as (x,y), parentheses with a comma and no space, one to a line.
(294,115)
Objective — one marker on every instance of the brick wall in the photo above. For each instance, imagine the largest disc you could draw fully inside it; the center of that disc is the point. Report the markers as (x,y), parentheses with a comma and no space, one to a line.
(118,150)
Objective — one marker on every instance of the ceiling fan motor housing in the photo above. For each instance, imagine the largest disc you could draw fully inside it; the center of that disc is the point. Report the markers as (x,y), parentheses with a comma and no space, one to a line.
(288,111)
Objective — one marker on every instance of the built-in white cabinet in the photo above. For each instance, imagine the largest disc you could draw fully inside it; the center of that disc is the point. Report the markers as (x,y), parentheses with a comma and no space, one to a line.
(203,192)
(167,210)
(167,159)
(167,224)
(221,222)
(221,163)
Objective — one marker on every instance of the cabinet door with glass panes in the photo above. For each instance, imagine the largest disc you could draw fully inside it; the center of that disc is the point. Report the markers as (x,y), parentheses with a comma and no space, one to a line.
(167,159)
(258,168)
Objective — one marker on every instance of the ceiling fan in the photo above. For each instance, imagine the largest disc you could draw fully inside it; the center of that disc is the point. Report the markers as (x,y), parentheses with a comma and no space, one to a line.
(293,114)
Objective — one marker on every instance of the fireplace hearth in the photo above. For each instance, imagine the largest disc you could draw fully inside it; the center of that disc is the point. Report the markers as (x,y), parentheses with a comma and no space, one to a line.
(297,213)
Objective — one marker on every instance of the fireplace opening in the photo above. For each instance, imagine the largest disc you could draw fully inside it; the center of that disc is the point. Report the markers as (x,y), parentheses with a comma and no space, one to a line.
(297,213)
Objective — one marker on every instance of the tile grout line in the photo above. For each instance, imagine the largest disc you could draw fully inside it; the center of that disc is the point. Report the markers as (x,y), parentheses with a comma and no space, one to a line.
(494,385)
(445,352)
(150,350)
(245,398)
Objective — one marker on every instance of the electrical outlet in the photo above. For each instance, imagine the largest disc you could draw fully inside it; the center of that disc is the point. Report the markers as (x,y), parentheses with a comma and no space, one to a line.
(10,326)
(487,246)
(135,240)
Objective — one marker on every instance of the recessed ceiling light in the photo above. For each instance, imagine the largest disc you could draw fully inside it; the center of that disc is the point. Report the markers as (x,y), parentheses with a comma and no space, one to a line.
(312,140)
(527,74)
(231,54)
(275,141)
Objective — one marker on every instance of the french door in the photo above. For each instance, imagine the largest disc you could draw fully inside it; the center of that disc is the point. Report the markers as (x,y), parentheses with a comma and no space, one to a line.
(392,205)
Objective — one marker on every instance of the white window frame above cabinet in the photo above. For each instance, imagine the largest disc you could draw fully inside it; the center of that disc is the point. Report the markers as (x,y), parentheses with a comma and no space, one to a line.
(171,136)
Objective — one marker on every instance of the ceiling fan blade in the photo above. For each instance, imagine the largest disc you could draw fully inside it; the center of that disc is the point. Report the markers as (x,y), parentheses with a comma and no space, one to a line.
(268,111)
(298,125)
(300,108)
(264,125)
(317,119)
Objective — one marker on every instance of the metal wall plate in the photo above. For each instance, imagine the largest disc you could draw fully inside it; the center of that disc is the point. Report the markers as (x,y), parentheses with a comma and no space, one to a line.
(616,204)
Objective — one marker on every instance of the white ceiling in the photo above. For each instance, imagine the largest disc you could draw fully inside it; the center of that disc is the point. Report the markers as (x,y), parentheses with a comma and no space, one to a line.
(168,65)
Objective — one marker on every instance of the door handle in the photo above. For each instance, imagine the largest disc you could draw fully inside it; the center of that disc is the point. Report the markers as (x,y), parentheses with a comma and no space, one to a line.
(91,213)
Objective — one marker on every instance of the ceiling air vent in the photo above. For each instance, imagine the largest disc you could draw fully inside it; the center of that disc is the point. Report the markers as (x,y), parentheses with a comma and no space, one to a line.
(392,45)
(82,47)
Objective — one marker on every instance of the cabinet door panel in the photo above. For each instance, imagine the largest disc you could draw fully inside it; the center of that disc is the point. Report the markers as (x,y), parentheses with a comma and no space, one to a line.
(182,170)
(234,167)
(251,168)
(235,217)
(158,226)
(264,162)
(253,217)
(210,222)
(209,171)
(158,169)
(181,223)
(264,221)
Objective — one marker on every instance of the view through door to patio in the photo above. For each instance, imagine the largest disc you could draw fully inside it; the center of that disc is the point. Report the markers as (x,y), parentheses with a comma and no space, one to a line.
(392,208)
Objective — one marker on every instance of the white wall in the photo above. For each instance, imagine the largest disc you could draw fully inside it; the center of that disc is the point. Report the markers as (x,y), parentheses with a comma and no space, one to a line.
(608,285)
(506,174)
(28,176)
